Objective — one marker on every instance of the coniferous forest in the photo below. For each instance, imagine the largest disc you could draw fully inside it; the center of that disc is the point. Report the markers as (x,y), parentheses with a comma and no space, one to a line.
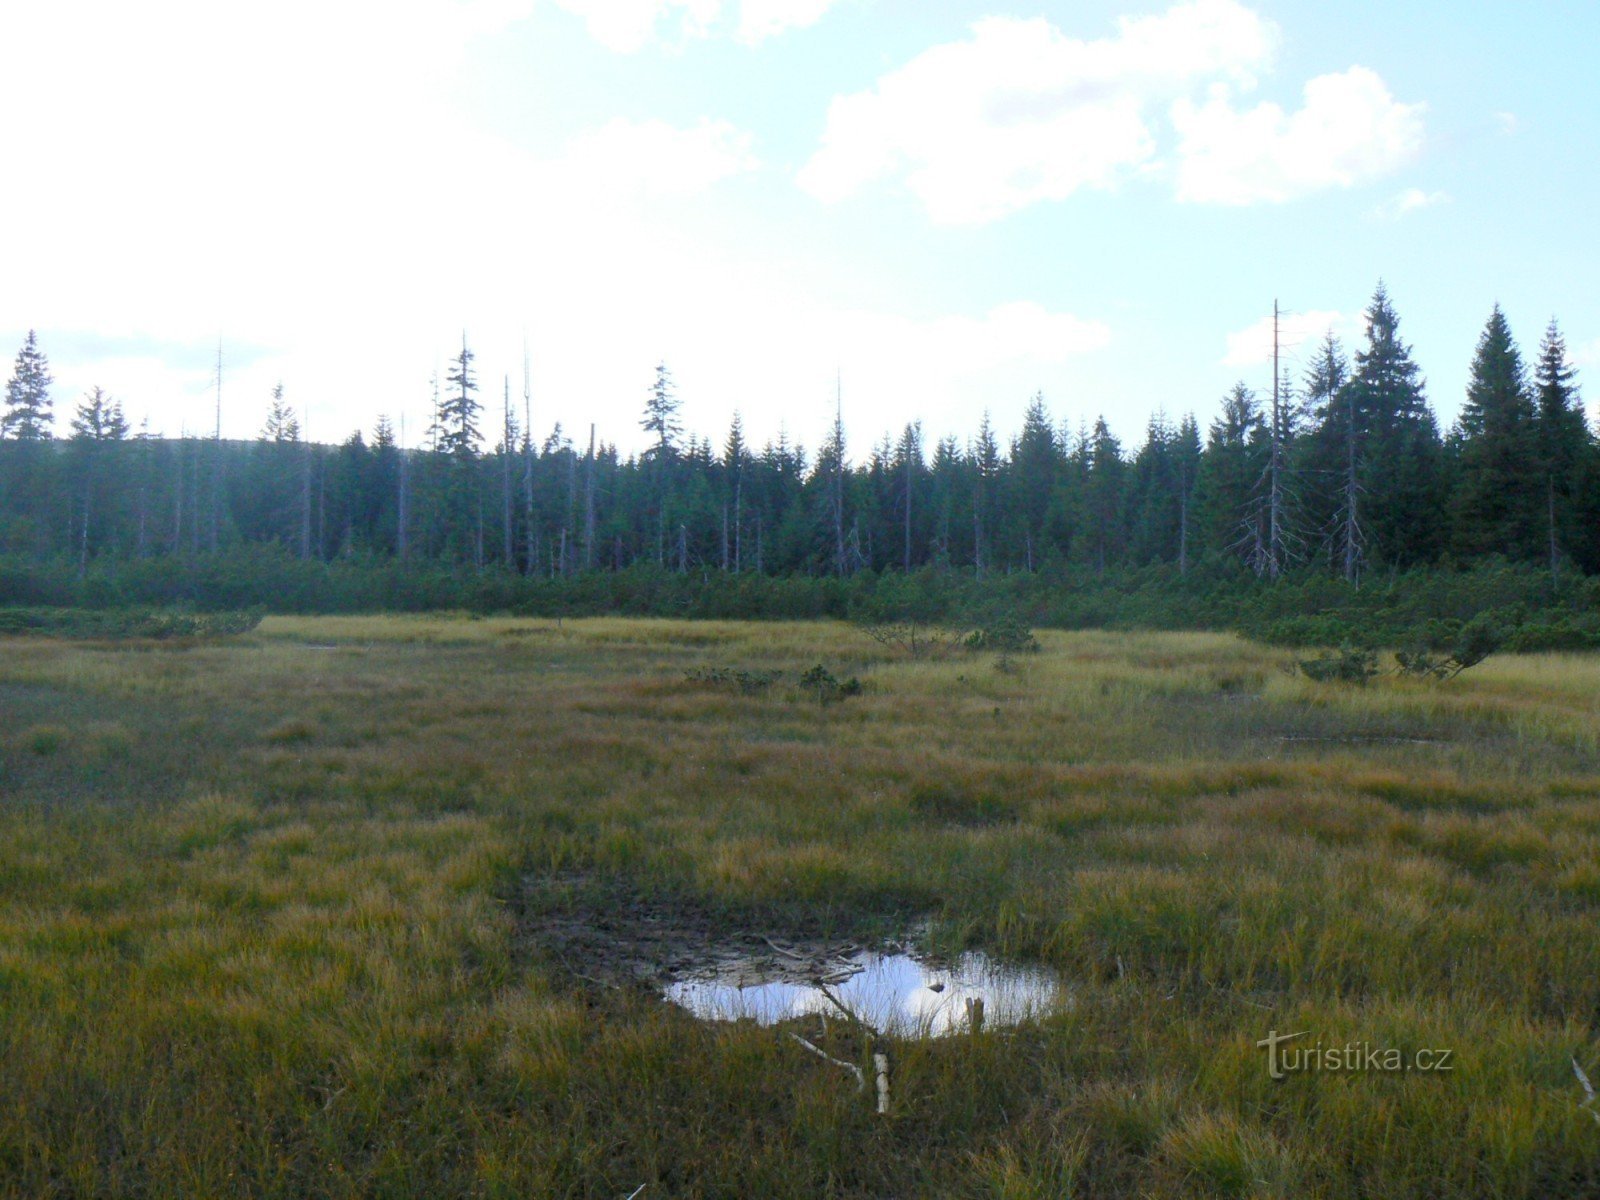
(1343,477)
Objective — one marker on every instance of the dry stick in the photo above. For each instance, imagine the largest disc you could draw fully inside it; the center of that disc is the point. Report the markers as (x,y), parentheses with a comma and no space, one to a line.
(1588,1089)
(631,1195)
(880,1057)
(861,1080)
(786,951)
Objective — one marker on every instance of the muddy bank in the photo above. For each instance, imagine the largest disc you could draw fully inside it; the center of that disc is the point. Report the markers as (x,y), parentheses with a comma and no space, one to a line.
(605,931)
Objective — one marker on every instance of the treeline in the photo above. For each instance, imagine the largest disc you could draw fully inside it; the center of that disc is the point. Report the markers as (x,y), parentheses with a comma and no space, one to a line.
(1344,472)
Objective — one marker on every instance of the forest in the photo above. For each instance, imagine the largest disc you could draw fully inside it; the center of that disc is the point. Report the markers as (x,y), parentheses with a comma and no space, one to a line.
(1341,474)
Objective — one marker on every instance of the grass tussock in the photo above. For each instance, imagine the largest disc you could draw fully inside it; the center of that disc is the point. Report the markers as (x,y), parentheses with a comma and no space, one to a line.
(261,931)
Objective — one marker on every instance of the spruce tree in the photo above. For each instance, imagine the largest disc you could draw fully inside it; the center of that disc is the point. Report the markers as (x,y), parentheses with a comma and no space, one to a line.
(1105,483)
(1186,458)
(1329,459)
(458,437)
(1498,494)
(460,409)
(27,417)
(1037,465)
(985,460)
(1566,451)
(282,425)
(99,419)
(1153,503)
(661,414)
(1399,472)
(1230,473)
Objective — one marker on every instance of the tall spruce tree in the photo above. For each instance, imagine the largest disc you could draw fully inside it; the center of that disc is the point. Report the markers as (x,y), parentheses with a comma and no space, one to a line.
(1498,497)
(985,459)
(1105,485)
(99,420)
(1231,471)
(458,436)
(27,417)
(1566,451)
(1329,459)
(661,414)
(1399,473)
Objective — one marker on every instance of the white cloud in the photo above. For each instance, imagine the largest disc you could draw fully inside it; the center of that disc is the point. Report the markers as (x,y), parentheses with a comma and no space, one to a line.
(1587,354)
(1021,113)
(1350,130)
(762,19)
(654,158)
(230,173)
(627,26)
(1507,122)
(1409,201)
(1299,334)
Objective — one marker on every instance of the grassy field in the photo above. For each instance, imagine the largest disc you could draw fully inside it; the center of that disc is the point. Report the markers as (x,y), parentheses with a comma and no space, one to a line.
(272,914)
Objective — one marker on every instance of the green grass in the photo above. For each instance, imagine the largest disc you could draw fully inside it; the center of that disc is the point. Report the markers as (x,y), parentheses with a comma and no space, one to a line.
(270,912)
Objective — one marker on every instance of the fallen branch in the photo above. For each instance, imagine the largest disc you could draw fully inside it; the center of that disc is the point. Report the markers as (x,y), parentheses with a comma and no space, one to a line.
(1588,1090)
(861,1080)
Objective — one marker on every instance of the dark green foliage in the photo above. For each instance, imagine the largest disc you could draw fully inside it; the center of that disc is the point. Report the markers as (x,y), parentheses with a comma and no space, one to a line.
(27,415)
(119,624)
(828,688)
(1066,522)
(1476,641)
(1398,449)
(750,683)
(1007,635)
(1348,664)
(1499,452)
(661,414)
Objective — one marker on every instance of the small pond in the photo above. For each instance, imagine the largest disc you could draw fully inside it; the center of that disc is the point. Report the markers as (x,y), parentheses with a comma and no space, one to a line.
(899,994)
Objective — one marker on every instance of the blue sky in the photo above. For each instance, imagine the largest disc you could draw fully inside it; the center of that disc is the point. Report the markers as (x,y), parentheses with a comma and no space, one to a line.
(954,205)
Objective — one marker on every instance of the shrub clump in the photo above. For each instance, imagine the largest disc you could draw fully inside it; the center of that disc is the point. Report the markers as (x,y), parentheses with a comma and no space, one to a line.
(827,687)
(1006,635)
(1348,664)
(1451,649)
(749,683)
(157,624)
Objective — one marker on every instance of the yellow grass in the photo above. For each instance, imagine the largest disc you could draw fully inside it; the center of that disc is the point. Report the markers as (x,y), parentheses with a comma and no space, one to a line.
(266,928)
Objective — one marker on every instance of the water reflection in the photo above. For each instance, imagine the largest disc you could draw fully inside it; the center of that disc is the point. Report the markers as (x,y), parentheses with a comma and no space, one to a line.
(894,993)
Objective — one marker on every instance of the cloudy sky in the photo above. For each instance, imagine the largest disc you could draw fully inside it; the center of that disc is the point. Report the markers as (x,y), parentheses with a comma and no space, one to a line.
(950,205)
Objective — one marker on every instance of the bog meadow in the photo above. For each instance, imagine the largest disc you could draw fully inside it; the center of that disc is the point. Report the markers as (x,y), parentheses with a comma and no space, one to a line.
(292,912)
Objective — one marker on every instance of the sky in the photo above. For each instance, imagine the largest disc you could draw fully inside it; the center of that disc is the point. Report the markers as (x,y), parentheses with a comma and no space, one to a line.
(935,209)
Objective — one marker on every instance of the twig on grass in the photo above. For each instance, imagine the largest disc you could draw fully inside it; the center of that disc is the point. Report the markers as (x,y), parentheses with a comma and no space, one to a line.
(1588,1090)
(861,1080)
